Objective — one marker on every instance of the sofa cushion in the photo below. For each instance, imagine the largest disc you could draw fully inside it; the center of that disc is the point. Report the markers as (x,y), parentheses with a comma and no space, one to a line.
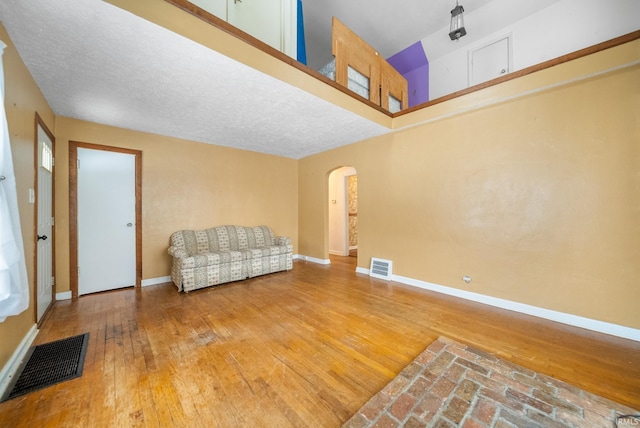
(222,238)
(256,253)
(193,241)
(209,259)
(225,238)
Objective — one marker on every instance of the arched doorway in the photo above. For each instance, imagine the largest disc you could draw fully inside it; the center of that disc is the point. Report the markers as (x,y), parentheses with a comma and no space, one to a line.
(343,212)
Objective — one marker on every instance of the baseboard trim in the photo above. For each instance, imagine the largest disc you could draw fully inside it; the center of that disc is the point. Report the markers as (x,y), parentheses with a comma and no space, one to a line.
(312,259)
(63,295)
(9,369)
(155,281)
(338,253)
(561,317)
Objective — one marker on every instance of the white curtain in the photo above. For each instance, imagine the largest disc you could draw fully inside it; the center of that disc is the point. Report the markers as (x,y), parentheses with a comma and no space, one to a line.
(14,286)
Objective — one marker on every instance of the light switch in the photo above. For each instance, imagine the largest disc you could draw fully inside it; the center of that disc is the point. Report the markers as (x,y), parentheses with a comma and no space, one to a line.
(32,196)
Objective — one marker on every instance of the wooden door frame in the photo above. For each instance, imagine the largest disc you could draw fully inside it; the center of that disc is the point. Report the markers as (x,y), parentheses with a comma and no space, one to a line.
(40,122)
(73,209)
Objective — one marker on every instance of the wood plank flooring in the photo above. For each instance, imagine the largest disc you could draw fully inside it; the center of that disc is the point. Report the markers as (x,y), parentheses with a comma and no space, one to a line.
(305,348)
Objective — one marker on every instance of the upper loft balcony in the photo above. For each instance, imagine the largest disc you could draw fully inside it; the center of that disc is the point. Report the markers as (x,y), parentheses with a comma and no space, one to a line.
(413,39)
(434,68)
(166,67)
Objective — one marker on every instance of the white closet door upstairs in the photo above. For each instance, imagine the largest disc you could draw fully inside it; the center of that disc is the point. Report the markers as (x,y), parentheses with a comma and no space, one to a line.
(260,18)
(274,22)
(215,7)
(489,62)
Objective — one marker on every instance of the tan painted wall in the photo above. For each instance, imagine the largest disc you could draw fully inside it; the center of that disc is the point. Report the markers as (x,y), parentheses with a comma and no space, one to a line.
(22,100)
(185,185)
(535,197)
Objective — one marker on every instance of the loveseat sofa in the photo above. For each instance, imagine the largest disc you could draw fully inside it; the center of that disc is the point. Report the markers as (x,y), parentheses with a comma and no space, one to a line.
(202,258)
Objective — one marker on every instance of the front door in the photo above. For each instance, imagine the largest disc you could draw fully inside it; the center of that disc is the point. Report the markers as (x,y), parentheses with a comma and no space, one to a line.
(44,244)
(106,216)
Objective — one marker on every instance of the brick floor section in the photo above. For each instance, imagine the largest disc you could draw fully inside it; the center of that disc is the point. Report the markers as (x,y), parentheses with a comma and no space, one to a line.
(451,384)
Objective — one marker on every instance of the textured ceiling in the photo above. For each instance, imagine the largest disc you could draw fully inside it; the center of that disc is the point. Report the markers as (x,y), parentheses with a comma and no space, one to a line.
(98,63)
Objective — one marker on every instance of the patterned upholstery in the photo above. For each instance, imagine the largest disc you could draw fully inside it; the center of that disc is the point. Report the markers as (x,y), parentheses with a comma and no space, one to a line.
(202,258)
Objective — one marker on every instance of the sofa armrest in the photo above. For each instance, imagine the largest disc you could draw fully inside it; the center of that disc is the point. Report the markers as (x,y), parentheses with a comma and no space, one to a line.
(178,252)
(282,240)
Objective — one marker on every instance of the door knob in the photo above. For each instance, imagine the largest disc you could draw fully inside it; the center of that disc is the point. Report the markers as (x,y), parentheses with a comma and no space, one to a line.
(42,237)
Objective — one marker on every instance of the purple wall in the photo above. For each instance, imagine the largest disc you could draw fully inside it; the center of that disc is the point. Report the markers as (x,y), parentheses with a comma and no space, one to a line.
(412,63)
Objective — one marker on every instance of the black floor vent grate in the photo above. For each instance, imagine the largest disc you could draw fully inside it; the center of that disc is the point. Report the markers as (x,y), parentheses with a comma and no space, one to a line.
(49,364)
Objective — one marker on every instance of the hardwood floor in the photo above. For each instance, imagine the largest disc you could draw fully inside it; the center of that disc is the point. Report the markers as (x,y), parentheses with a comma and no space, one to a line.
(305,348)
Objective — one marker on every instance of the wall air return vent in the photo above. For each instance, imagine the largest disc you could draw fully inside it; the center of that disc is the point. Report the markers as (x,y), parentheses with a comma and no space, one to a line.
(380,268)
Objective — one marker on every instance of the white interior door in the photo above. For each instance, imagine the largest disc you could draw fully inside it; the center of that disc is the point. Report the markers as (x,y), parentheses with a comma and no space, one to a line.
(106,204)
(260,18)
(489,62)
(45,223)
(216,7)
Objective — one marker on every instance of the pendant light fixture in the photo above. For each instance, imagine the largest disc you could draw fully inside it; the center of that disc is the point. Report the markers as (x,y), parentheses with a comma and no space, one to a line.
(457,29)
